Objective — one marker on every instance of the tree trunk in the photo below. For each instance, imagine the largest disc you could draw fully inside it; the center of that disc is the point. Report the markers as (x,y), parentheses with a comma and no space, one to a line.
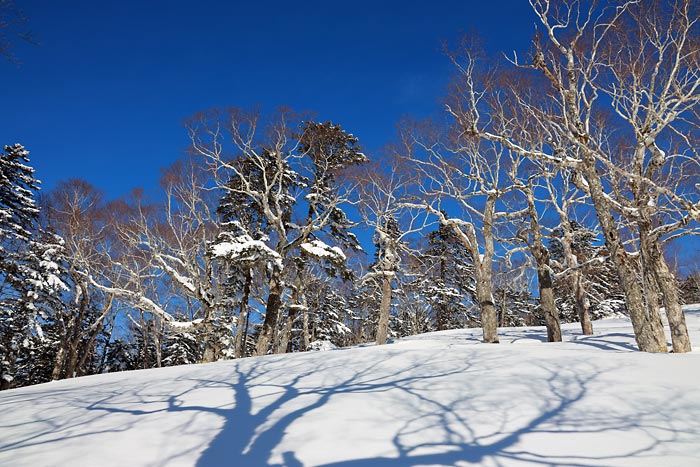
(384,308)
(86,349)
(305,332)
(577,278)
(652,296)
(674,312)
(551,316)
(487,311)
(648,339)
(484,286)
(71,365)
(159,349)
(656,264)
(287,331)
(58,363)
(544,278)
(503,307)
(239,341)
(584,316)
(268,333)
(210,346)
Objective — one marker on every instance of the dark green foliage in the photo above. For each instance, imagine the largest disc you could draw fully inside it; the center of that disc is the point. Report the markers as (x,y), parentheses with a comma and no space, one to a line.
(447,281)
(120,356)
(18,217)
(689,288)
(603,290)
(181,348)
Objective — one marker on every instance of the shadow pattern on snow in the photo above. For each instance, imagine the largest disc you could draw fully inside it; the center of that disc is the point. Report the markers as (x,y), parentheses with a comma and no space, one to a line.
(445,409)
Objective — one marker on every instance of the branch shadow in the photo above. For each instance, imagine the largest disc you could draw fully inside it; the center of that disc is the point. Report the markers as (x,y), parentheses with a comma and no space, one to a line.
(441,409)
(610,341)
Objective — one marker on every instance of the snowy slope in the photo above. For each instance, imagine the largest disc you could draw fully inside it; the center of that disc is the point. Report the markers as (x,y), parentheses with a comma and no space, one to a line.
(435,399)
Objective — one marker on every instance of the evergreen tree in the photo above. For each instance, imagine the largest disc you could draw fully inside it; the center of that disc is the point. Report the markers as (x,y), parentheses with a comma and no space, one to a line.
(601,282)
(448,282)
(120,356)
(180,348)
(18,216)
(689,288)
(330,313)
(44,272)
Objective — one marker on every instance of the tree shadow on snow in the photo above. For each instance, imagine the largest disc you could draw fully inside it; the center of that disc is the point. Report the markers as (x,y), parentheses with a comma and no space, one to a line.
(437,427)
(446,410)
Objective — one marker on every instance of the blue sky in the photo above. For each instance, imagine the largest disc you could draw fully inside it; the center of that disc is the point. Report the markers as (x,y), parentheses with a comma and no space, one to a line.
(104,94)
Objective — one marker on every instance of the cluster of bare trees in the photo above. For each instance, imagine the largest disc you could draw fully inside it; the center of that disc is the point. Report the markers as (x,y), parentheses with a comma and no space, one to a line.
(602,111)
(574,159)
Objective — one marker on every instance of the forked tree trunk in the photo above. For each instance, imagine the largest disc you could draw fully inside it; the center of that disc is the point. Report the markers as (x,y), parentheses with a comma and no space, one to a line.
(648,339)
(297,293)
(577,278)
(86,353)
(483,270)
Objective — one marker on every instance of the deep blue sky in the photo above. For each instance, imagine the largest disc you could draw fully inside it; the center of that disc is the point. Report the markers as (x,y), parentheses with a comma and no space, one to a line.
(104,94)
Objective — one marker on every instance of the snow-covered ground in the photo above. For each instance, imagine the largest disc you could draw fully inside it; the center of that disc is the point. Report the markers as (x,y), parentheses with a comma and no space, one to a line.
(434,399)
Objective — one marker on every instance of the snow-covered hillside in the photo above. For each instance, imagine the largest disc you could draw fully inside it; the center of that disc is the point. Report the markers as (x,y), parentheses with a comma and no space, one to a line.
(435,399)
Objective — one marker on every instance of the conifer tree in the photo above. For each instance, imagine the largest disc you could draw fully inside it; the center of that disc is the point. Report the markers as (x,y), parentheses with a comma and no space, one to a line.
(18,216)
(448,282)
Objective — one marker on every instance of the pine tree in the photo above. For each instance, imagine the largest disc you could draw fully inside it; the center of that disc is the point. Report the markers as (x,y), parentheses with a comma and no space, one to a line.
(180,348)
(689,288)
(603,291)
(120,356)
(330,312)
(44,274)
(18,216)
(448,282)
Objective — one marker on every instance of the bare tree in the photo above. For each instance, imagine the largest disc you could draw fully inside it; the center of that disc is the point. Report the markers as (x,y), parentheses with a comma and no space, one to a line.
(12,26)
(78,212)
(387,207)
(642,57)
(533,237)
(172,242)
(563,197)
(281,166)
(476,177)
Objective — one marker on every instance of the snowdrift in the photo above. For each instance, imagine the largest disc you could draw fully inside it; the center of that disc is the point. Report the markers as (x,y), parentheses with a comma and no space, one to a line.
(435,399)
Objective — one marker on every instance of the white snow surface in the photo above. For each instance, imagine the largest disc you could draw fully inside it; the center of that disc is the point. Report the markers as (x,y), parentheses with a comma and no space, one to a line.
(431,400)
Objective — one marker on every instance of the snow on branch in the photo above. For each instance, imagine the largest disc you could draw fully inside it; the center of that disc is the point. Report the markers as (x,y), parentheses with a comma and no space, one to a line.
(244,248)
(145,304)
(319,249)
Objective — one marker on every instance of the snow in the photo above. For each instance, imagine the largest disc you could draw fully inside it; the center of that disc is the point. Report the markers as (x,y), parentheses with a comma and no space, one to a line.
(322,345)
(319,249)
(433,399)
(244,248)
